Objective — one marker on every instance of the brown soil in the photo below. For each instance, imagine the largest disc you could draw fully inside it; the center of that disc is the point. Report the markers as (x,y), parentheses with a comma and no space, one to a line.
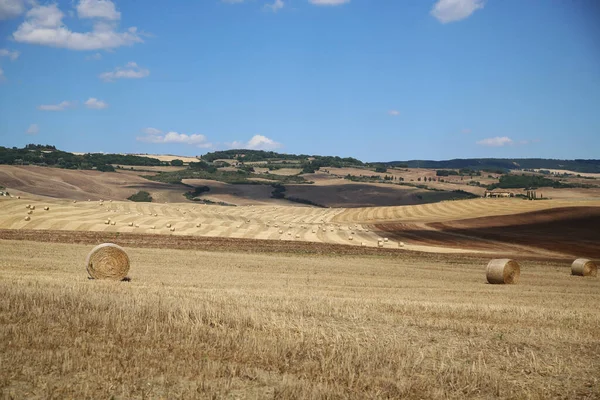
(83,185)
(568,230)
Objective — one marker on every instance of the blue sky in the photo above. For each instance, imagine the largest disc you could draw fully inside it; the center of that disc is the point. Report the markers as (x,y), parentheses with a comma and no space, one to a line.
(377,80)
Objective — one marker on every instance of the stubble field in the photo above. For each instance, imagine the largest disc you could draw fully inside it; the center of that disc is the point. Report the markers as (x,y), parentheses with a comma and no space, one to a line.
(196,324)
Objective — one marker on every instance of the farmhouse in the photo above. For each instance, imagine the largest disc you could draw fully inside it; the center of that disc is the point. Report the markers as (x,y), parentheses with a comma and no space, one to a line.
(497,194)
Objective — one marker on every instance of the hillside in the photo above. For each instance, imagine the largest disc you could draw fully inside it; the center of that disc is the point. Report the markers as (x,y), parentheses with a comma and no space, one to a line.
(585,166)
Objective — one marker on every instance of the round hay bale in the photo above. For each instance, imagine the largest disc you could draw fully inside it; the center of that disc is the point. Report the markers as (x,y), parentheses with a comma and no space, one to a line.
(27,218)
(198,225)
(401,244)
(74,201)
(584,267)
(32,207)
(107,261)
(168,225)
(137,225)
(379,244)
(107,222)
(297,236)
(130,224)
(46,208)
(18,197)
(28,206)
(350,238)
(156,215)
(385,240)
(172,229)
(113,223)
(30,212)
(153,227)
(280,232)
(501,271)
(363,244)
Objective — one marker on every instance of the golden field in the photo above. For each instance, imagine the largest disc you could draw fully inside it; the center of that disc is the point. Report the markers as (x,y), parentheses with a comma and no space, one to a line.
(196,324)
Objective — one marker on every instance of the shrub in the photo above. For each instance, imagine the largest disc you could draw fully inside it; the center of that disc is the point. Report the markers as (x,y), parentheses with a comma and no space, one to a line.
(141,196)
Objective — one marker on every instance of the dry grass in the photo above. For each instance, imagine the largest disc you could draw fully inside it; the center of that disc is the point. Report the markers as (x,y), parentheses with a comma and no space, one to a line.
(195,324)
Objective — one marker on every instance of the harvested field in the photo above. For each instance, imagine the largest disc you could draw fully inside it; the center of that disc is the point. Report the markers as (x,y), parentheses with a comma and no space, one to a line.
(415,225)
(568,230)
(83,185)
(195,324)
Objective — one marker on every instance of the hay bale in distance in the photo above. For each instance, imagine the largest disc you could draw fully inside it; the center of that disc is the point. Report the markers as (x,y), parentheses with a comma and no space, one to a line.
(107,222)
(501,271)
(584,267)
(28,206)
(168,225)
(385,240)
(130,224)
(46,208)
(113,222)
(107,261)
(30,212)
(27,218)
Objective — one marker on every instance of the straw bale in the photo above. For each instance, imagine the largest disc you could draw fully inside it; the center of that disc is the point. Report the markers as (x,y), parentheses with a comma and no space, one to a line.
(107,261)
(584,267)
(501,271)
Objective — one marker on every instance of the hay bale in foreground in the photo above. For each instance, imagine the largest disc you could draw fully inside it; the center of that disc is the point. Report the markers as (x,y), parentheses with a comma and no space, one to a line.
(501,271)
(584,267)
(107,261)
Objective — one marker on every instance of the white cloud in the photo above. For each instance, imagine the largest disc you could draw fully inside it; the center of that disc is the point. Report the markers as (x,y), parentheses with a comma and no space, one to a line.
(496,141)
(94,57)
(454,10)
(258,142)
(12,8)
(328,2)
(2,75)
(154,135)
(151,131)
(95,104)
(98,9)
(56,107)
(130,71)
(276,6)
(33,129)
(13,55)
(394,113)
(43,25)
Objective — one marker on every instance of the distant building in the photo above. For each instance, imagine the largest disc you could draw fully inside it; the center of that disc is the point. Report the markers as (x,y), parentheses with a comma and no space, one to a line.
(498,194)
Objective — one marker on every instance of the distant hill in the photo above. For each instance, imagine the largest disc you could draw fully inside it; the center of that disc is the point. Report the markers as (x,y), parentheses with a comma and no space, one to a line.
(585,166)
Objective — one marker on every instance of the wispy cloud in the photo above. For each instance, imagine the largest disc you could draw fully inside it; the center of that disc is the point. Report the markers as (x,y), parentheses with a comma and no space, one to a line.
(2,77)
(276,6)
(13,55)
(95,104)
(153,135)
(44,26)
(62,106)
(130,71)
(455,10)
(33,129)
(12,8)
(496,141)
(394,113)
(98,9)
(257,142)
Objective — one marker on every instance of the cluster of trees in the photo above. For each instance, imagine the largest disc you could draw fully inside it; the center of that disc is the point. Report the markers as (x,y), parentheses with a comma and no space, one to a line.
(48,155)
(141,196)
(261,155)
(527,182)
(503,164)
